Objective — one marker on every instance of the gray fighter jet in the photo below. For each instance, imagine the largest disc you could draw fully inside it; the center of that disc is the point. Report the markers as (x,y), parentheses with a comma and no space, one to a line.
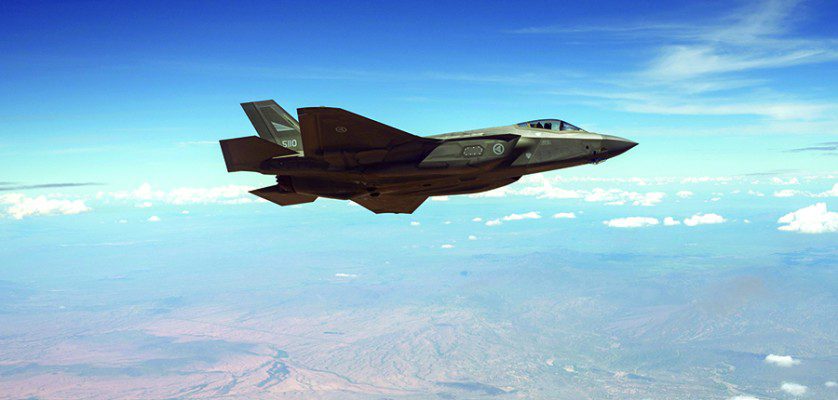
(334,153)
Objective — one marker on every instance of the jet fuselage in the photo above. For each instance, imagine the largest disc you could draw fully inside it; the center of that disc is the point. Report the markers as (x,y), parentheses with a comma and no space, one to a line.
(355,159)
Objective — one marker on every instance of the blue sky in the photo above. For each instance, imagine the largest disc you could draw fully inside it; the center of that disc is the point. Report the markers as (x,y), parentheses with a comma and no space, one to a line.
(702,261)
(100,86)
(130,98)
(121,95)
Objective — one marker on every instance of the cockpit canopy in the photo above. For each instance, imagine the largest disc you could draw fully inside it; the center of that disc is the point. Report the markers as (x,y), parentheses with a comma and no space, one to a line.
(550,125)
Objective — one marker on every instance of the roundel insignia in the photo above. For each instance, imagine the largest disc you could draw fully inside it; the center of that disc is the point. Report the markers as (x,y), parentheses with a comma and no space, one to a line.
(498,148)
(340,129)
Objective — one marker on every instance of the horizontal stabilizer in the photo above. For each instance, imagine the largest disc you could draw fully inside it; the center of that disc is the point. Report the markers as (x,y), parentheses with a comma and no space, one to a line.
(275,194)
(247,153)
(397,204)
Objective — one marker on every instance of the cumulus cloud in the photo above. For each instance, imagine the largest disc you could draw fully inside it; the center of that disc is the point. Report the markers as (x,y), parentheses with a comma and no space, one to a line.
(833,192)
(684,194)
(518,217)
(813,219)
(786,193)
(830,384)
(542,187)
(415,223)
(561,215)
(447,246)
(780,181)
(742,397)
(631,222)
(499,192)
(472,237)
(476,219)
(345,275)
(145,193)
(19,206)
(493,222)
(704,219)
(781,361)
(669,221)
(793,389)
(153,218)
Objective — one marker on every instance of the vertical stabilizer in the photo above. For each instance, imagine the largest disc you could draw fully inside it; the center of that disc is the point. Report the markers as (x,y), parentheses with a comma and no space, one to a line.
(274,124)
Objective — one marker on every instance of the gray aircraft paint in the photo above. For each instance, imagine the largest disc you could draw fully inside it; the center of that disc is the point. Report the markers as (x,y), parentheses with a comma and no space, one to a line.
(334,153)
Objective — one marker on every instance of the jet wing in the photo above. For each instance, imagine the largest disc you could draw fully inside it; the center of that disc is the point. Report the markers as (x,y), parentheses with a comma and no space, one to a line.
(397,204)
(345,139)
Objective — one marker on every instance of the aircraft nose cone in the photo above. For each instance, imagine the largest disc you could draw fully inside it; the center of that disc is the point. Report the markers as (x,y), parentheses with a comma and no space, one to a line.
(615,145)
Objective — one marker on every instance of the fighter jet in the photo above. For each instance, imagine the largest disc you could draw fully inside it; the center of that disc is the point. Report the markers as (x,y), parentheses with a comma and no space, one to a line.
(336,154)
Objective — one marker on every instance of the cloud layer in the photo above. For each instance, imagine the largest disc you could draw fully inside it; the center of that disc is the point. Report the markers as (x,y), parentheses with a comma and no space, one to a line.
(19,206)
(631,222)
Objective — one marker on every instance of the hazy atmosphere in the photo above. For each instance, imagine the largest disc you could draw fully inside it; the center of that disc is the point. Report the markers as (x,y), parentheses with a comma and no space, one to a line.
(699,265)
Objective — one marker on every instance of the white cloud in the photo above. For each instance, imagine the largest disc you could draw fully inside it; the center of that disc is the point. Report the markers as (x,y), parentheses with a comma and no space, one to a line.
(232,194)
(781,361)
(786,193)
(751,38)
(145,204)
(830,384)
(153,218)
(447,246)
(756,193)
(184,212)
(440,198)
(704,219)
(447,223)
(813,219)
(518,217)
(741,397)
(476,219)
(780,181)
(345,275)
(472,237)
(19,206)
(829,193)
(608,196)
(415,223)
(793,389)
(229,194)
(833,192)
(493,222)
(698,58)
(669,221)
(540,186)
(684,194)
(499,192)
(631,222)
(568,215)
